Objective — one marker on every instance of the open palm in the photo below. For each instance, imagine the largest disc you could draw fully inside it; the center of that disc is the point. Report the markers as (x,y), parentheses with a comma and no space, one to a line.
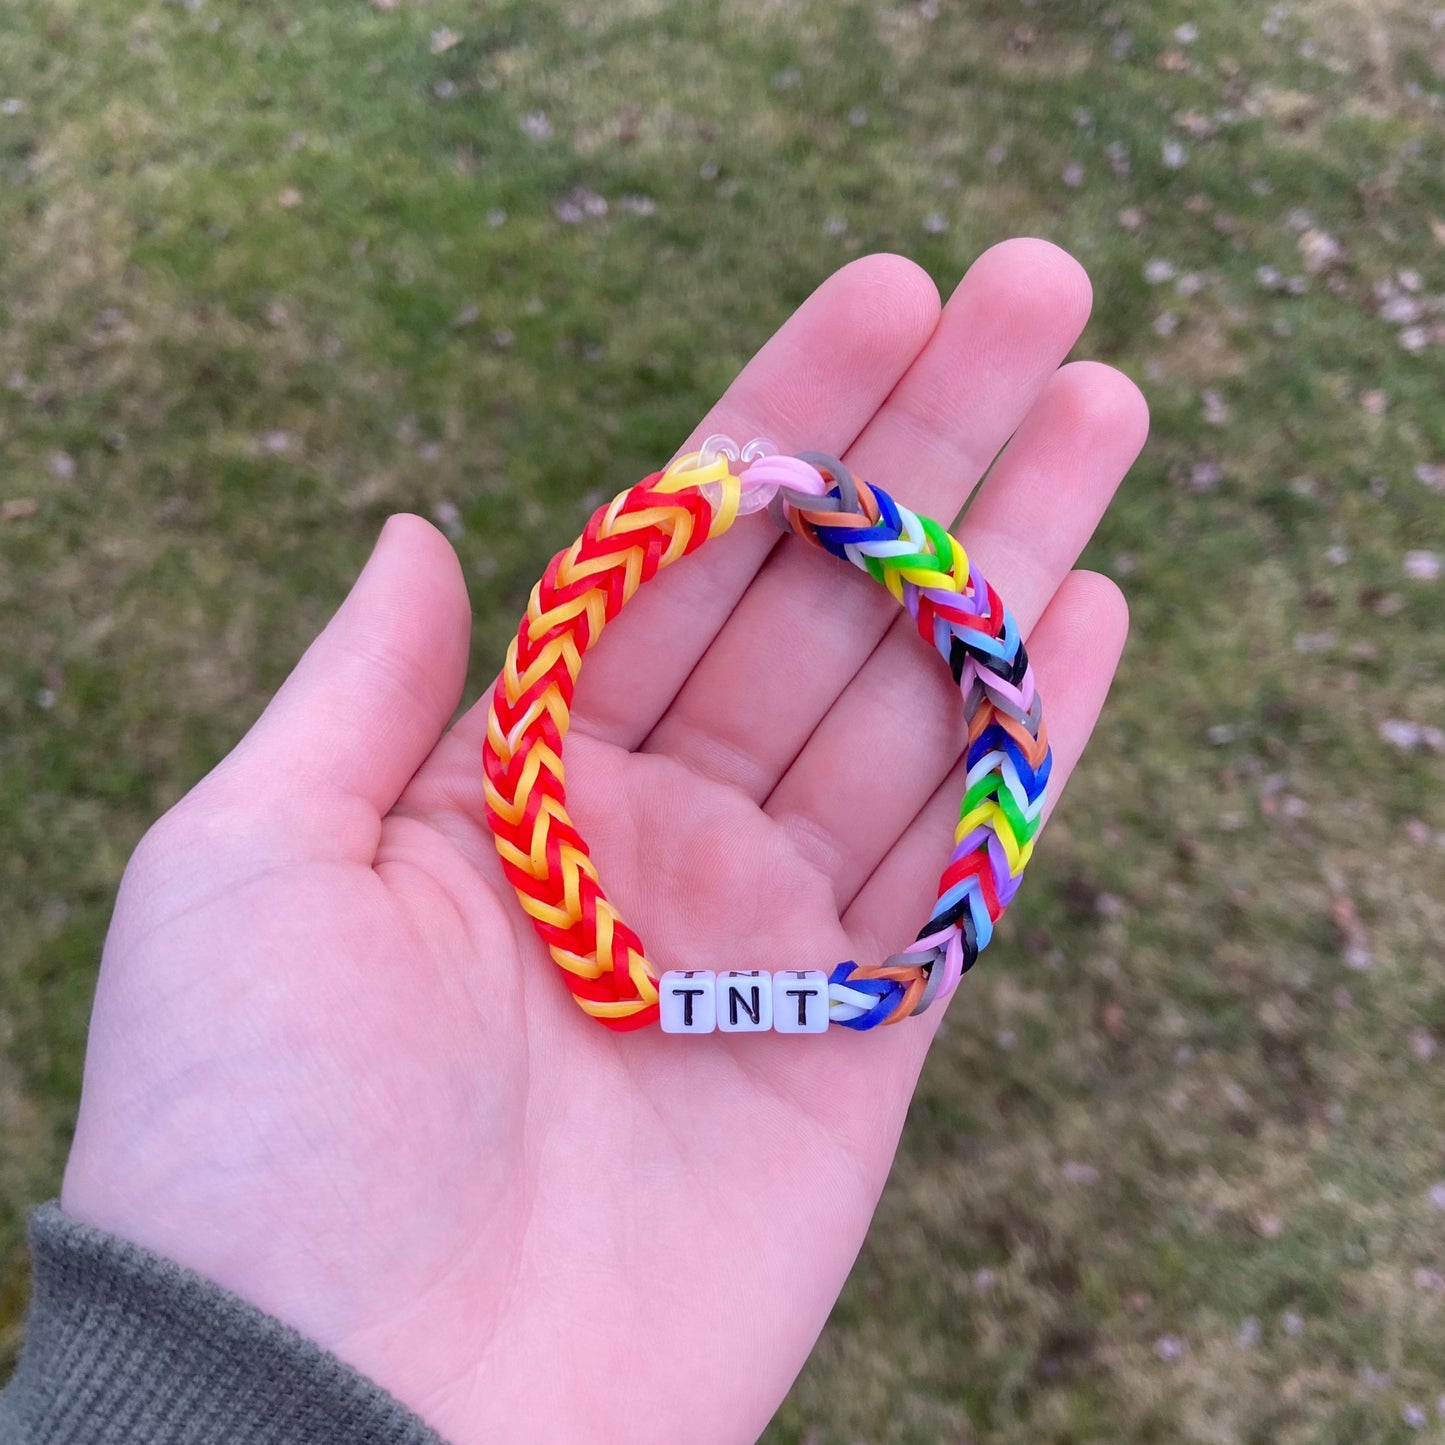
(331,1067)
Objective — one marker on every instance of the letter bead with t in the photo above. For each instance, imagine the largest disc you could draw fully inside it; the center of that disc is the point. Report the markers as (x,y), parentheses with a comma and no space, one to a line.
(687,1000)
(800,1001)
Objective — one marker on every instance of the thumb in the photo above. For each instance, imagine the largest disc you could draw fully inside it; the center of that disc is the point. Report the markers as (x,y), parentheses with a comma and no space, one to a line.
(373,693)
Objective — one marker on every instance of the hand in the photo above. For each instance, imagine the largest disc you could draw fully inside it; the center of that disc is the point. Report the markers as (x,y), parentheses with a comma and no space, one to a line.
(332,1068)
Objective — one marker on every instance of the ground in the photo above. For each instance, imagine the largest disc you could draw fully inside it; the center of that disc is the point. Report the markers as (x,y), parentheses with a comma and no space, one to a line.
(1174,1171)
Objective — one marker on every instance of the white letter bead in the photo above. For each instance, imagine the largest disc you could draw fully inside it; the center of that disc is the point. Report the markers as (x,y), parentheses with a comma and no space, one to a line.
(744,1001)
(687,1001)
(800,1001)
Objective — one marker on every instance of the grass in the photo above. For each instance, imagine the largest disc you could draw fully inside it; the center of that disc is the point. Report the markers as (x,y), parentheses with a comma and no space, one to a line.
(268,276)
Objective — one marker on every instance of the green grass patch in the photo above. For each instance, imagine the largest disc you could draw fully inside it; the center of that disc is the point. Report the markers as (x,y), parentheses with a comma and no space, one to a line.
(269,276)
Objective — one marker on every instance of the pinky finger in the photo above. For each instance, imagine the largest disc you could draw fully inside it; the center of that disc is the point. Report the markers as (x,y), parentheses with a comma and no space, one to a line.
(1075,650)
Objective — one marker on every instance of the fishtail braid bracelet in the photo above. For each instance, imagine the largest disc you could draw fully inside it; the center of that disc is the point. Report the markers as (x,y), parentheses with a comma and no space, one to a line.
(666,516)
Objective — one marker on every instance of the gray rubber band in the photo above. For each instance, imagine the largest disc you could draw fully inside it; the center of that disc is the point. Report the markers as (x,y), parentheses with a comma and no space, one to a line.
(842,477)
(804,500)
(845,501)
(935,975)
(974,700)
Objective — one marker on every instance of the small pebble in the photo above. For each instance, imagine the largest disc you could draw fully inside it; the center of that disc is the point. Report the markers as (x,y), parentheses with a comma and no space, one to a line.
(449,518)
(1205,476)
(1401,311)
(1422,566)
(1411,736)
(1267,1224)
(1216,409)
(1320,251)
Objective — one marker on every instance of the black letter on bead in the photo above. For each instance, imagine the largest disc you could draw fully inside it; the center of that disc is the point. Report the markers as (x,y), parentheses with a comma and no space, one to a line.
(687,995)
(802,995)
(754,1010)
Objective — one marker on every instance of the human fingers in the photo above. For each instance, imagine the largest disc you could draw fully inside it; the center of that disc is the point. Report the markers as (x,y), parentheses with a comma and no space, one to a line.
(368,700)
(805,626)
(817,381)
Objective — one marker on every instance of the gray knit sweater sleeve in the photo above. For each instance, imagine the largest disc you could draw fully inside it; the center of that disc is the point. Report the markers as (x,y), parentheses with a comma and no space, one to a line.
(123,1345)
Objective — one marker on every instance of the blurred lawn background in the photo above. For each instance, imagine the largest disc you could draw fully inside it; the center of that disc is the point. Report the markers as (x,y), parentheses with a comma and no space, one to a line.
(270,272)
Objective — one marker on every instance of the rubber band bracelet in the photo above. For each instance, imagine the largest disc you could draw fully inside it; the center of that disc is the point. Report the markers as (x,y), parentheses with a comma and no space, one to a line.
(666,516)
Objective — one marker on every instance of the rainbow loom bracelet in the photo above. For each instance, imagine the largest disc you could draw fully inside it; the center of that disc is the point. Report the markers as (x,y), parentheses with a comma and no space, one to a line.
(666,516)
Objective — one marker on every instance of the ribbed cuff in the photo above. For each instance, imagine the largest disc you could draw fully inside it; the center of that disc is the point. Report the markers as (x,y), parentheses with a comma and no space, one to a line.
(123,1345)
